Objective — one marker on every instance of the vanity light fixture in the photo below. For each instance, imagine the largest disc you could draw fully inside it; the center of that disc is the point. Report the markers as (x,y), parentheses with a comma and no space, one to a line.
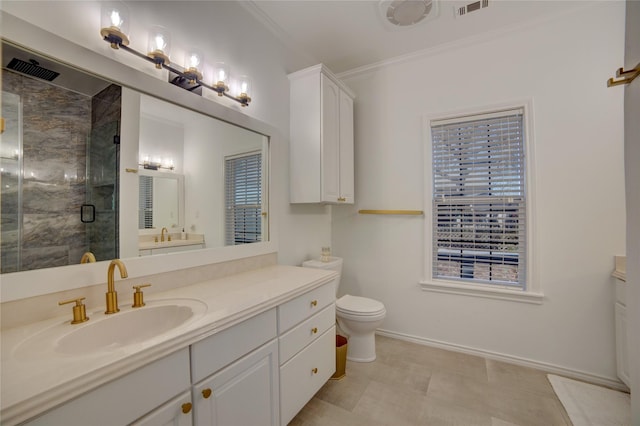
(115,26)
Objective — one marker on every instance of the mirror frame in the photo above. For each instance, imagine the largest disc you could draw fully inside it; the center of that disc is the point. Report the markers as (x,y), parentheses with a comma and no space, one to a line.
(20,285)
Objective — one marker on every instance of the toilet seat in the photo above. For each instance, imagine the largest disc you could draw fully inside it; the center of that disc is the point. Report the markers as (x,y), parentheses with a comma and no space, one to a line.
(359,306)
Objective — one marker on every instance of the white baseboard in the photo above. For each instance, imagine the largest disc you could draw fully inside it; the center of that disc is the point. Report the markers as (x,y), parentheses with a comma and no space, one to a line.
(549,368)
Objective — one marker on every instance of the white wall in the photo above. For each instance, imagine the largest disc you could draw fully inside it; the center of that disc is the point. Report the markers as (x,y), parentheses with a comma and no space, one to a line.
(226,32)
(561,65)
(632,159)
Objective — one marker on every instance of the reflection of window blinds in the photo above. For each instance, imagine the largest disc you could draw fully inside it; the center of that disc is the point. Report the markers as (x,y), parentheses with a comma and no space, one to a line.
(145,203)
(243,199)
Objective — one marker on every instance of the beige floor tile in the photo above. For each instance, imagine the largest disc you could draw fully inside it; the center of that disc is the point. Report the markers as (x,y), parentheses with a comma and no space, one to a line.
(411,384)
(511,375)
(321,413)
(525,408)
(444,414)
(346,392)
(391,405)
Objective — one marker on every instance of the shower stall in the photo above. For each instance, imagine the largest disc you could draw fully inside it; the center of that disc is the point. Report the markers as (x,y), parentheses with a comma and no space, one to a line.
(59,155)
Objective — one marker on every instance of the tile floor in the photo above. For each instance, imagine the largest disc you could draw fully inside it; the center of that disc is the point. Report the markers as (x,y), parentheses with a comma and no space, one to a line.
(412,384)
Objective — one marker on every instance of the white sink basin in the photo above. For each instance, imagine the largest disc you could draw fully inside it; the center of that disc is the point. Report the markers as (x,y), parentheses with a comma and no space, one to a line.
(104,333)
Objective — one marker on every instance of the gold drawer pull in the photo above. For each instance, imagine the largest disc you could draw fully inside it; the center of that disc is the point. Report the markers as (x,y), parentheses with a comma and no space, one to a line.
(342,199)
(314,371)
(206,393)
(314,303)
(186,407)
(314,330)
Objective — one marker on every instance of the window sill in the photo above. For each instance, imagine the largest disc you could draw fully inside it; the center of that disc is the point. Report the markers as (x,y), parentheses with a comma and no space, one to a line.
(478,290)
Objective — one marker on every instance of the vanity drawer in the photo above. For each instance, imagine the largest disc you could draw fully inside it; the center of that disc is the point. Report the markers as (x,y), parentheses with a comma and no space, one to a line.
(304,374)
(219,350)
(306,332)
(302,307)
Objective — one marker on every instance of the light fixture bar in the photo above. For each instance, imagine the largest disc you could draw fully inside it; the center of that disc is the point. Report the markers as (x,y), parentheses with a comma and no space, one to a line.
(243,100)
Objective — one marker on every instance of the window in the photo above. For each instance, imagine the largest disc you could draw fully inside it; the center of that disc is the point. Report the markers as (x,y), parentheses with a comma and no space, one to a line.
(243,198)
(479,199)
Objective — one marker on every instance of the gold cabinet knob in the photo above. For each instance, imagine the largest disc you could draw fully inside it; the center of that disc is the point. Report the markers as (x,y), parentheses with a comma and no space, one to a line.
(342,199)
(314,303)
(206,393)
(186,407)
(138,296)
(79,311)
(314,330)
(314,370)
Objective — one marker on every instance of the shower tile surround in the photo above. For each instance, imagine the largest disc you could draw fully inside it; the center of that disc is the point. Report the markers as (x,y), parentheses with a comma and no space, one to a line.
(54,184)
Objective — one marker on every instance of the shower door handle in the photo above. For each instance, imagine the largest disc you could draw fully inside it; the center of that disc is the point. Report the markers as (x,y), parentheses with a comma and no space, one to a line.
(87,213)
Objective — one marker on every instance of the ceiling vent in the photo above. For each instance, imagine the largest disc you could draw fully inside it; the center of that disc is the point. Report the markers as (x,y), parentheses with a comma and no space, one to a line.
(471,7)
(407,13)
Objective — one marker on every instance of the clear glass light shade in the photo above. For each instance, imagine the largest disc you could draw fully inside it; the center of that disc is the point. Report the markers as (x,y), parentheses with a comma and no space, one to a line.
(243,86)
(220,73)
(115,15)
(193,60)
(159,40)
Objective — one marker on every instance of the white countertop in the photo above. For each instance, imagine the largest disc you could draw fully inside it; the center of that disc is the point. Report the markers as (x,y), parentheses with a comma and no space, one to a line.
(151,245)
(35,383)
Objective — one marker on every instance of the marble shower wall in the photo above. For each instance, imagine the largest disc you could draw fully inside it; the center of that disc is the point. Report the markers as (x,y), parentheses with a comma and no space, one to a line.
(56,128)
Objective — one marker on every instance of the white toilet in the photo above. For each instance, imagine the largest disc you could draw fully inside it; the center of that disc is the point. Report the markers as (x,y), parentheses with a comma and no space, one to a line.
(358,317)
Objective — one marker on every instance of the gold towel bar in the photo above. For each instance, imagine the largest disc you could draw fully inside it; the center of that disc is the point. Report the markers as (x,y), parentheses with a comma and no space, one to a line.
(624,77)
(395,212)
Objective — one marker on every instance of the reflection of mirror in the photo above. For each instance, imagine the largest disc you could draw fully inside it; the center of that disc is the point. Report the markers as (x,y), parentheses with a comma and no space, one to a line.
(198,151)
(161,200)
(223,166)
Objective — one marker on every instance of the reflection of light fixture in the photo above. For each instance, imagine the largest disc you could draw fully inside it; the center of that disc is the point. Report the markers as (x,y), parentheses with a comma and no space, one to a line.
(192,62)
(244,89)
(114,17)
(159,46)
(115,26)
(221,77)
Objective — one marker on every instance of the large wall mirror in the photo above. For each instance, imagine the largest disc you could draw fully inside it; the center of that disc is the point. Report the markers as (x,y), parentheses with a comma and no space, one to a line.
(67,153)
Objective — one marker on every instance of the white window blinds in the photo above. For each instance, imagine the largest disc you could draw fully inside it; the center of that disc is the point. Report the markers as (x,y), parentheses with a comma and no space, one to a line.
(145,203)
(243,198)
(479,223)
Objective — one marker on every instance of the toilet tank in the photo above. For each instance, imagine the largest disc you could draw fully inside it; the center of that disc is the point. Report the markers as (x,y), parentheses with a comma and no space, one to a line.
(334,264)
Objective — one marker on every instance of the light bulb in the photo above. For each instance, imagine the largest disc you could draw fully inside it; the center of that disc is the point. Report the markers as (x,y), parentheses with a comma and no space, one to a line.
(159,46)
(115,18)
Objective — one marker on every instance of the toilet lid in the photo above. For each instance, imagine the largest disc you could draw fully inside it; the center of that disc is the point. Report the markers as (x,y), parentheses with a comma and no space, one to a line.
(359,305)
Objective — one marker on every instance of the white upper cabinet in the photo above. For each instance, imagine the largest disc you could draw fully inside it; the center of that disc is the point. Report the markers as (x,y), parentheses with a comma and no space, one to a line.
(321,146)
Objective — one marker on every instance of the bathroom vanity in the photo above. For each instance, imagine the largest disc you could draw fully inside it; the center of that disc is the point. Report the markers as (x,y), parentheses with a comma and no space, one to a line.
(251,348)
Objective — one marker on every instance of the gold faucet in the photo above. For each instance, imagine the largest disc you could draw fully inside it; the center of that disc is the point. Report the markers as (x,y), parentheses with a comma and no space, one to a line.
(162,233)
(112,295)
(88,257)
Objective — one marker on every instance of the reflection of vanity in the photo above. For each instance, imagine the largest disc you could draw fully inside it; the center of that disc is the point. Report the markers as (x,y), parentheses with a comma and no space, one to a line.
(149,245)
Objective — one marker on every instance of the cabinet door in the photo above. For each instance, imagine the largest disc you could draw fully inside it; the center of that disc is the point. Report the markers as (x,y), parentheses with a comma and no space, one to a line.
(346,150)
(330,135)
(177,412)
(244,393)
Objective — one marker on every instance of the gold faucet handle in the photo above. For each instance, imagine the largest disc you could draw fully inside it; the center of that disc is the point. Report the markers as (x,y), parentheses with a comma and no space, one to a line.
(79,311)
(138,296)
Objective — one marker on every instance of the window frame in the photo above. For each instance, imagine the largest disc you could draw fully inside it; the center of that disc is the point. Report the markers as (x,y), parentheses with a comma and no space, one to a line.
(532,292)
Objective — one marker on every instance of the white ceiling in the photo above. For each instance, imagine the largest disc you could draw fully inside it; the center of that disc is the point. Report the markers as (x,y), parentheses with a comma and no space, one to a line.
(346,34)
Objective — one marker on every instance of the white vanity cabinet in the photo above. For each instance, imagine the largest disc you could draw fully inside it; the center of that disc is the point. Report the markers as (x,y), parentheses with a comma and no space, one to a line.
(321,146)
(177,412)
(127,398)
(235,383)
(307,348)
